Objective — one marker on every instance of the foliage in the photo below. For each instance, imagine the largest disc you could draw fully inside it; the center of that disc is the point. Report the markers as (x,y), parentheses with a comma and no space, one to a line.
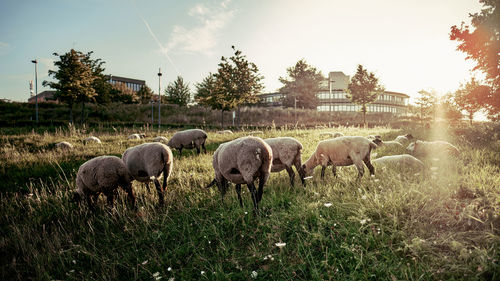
(302,83)
(121,93)
(178,92)
(364,89)
(427,102)
(209,93)
(481,43)
(449,108)
(471,97)
(145,94)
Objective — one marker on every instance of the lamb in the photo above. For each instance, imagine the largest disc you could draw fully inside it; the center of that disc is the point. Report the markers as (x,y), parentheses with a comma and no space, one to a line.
(404,139)
(427,148)
(64,145)
(404,160)
(241,161)
(147,161)
(342,151)
(91,139)
(102,174)
(136,136)
(286,152)
(332,135)
(161,139)
(225,132)
(189,139)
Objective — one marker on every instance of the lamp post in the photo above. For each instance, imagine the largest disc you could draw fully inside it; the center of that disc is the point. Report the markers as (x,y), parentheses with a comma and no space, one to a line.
(36,89)
(159,99)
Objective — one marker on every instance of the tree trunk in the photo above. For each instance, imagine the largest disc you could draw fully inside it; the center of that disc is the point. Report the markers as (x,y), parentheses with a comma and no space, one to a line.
(71,113)
(471,116)
(238,117)
(364,118)
(83,113)
(222,119)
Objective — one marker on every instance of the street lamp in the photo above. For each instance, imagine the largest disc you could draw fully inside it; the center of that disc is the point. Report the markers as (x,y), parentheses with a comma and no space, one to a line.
(36,89)
(159,99)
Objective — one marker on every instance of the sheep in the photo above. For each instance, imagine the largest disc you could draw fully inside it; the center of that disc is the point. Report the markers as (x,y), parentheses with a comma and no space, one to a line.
(255,133)
(286,152)
(374,137)
(391,144)
(241,161)
(404,160)
(91,139)
(342,151)
(161,139)
(189,139)
(102,174)
(225,132)
(64,145)
(136,136)
(147,161)
(427,148)
(404,139)
(332,135)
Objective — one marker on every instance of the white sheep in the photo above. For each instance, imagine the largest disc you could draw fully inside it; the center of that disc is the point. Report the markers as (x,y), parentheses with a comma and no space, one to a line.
(64,145)
(429,148)
(91,139)
(136,136)
(241,161)
(404,139)
(403,160)
(225,132)
(287,152)
(332,135)
(255,133)
(189,139)
(146,162)
(102,174)
(342,151)
(391,144)
(374,137)
(161,139)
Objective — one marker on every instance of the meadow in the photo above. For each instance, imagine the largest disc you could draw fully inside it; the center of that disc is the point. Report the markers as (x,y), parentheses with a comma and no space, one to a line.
(442,224)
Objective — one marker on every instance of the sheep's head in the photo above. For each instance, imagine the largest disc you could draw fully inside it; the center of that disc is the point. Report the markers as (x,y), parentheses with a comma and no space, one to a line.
(143,136)
(409,136)
(411,147)
(378,141)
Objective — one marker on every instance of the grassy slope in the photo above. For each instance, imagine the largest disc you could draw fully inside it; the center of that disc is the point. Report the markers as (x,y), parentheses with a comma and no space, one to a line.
(398,225)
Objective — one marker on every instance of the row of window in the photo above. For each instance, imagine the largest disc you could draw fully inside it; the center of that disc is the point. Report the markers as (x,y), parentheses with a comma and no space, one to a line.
(356,108)
(133,86)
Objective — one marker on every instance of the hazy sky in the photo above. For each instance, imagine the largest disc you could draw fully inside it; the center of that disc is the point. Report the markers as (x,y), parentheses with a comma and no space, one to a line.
(405,42)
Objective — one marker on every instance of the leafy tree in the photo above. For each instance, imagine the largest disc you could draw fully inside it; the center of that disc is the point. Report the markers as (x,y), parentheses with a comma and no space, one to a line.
(302,84)
(427,103)
(470,97)
(121,93)
(449,108)
(364,89)
(178,92)
(145,94)
(75,79)
(209,93)
(481,43)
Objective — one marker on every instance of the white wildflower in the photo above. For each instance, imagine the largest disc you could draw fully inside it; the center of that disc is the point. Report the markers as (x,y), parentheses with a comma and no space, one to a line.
(202,272)
(363,221)
(145,262)
(280,244)
(328,205)
(254,274)
(169,269)
(434,168)
(376,180)
(156,274)
(171,279)
(74,262)
(363,197)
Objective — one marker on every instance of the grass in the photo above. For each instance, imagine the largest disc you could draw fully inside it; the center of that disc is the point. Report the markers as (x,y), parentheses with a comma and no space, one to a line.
(399,225)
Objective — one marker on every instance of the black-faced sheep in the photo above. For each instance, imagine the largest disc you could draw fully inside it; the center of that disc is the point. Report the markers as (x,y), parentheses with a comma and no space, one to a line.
(404,139)
(146,162)
(189,139)
(242,161)
(102,174)
(286,153)
(342,151)
(429,148)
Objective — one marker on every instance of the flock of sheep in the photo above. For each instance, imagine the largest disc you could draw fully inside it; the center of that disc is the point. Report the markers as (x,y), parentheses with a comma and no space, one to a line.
(240,161)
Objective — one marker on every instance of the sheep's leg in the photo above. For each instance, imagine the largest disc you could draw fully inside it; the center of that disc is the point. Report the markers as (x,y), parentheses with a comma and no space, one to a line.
(180,151)
(238,191)
(262,180)
(110,196)
(147,186)
(369,165)
(323,168)
(130,193)
(203,146)
(334,170)
(88,198)
(251,188)
(361,169)
(160,192)
(198,151)
(291,174)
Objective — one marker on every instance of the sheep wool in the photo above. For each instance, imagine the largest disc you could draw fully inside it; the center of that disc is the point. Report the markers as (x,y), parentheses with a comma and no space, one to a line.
(287,152)
(403,160)
(136,136)
(91,139)
(161,139)
(189,139)
(64,145)
(225,132)
(429,148)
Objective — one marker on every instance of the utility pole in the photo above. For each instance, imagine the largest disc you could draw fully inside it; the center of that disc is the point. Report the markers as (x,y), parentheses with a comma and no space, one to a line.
(36,89)
(159,99)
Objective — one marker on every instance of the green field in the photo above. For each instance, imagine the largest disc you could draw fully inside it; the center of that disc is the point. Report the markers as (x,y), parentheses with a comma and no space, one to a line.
(399,225)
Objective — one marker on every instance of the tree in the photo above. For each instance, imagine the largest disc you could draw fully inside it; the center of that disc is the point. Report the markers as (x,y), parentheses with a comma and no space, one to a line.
(449,108)
(145,94)
(427,103)
(121,93)
(481,43)
(301,86)
(469,97)
(364,89)
(209,93)
(178,92)
(75,79)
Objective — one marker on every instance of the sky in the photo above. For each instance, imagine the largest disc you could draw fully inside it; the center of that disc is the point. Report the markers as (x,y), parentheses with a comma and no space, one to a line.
(404,42)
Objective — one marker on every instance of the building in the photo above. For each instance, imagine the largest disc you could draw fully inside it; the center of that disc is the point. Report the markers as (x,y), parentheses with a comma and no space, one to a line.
(45,96)
(332,97)
(133,84)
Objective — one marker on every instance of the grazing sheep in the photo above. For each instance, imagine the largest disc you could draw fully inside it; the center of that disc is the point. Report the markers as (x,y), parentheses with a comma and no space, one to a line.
(391,144)
(225,132)
(404,139)
(241,161)
(403,160)
(147,162)
(188,139)
(255,133)
(286,152)
(429,148)
(342,151)
(102,174)
(91,139)
(332,135)
(136,136)
(64,145)
(374,137)
(161,139)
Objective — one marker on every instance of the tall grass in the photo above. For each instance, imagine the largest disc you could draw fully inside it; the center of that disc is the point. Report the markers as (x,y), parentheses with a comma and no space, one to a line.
(399,225)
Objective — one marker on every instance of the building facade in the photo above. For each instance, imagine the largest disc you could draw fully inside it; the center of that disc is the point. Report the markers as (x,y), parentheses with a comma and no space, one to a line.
(332,97)
(133,84)
(45,96)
